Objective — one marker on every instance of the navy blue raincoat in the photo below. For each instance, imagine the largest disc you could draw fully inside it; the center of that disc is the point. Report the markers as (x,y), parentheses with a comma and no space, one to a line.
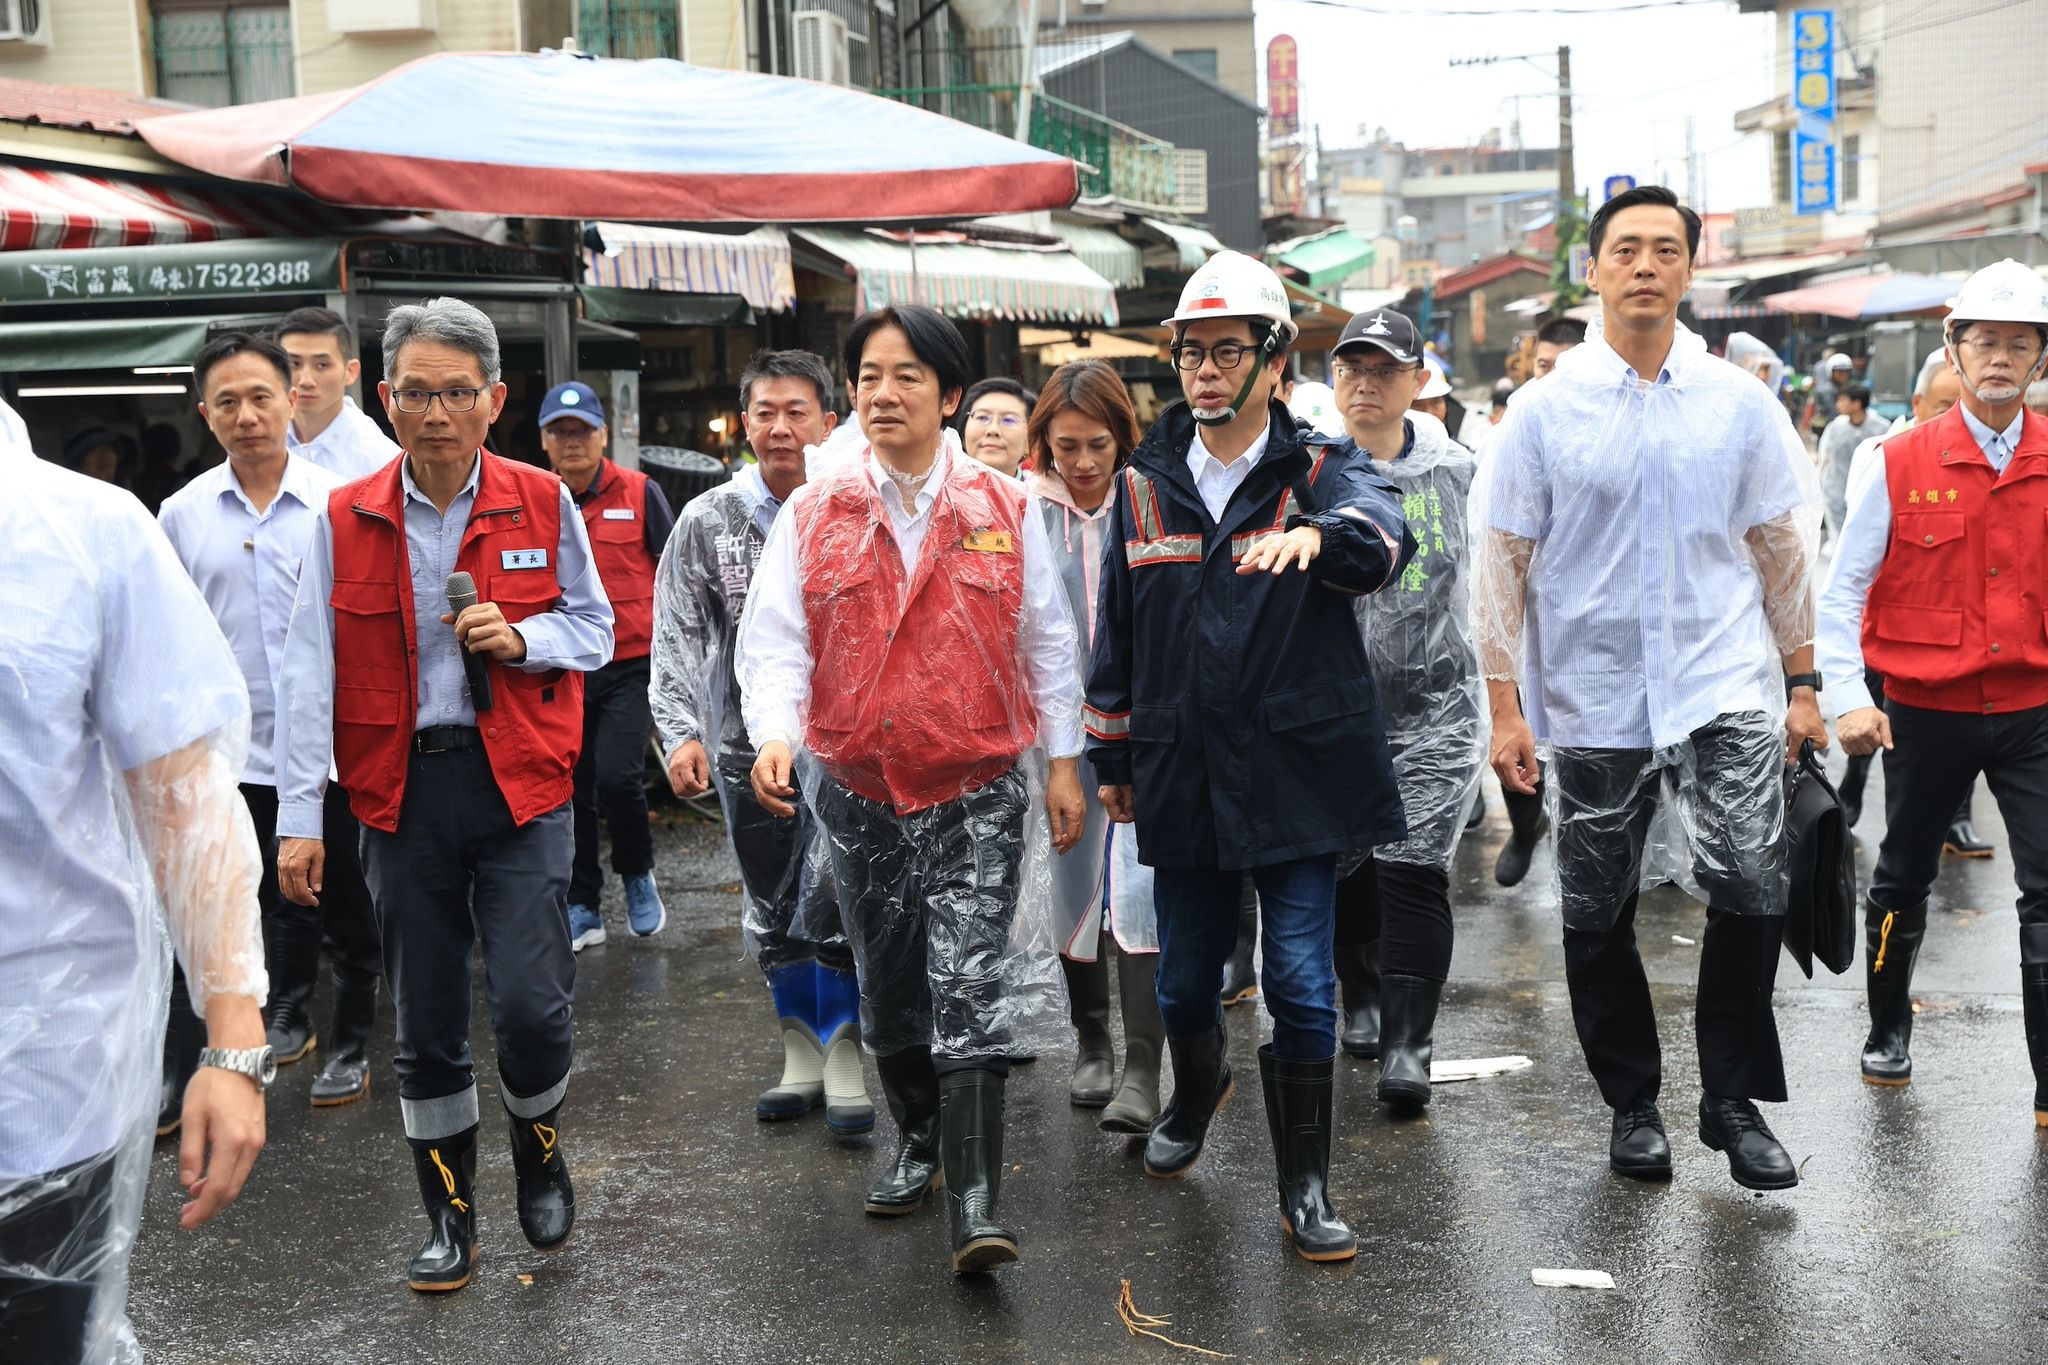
(1242,710)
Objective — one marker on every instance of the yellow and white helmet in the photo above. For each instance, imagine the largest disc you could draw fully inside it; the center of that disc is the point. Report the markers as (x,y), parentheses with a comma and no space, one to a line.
(1231,284)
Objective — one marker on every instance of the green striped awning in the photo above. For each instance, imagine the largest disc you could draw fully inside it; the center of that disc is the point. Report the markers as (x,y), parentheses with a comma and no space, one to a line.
(970,280)
(1325,258)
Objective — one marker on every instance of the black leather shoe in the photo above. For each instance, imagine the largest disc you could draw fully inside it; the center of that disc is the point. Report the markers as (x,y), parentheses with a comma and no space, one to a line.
(288,1028)
(547,1201)
(911,1088)
(1891,944)
(1757,1160)
(1639,1149)
(1407,1038)
(1358,980)
(447,1175)
(1298,1101)
(1963,841)
(345,1074)
(971,1139)
(1201,1087)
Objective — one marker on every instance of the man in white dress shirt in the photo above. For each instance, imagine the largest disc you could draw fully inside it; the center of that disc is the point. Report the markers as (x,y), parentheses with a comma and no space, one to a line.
(328,428)
(908,628)
(241,530)
(1937,587)
(1644,512)
(123,726)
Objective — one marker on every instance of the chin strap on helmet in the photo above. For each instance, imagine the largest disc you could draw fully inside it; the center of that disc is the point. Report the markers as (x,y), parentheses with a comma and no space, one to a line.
(1223,417)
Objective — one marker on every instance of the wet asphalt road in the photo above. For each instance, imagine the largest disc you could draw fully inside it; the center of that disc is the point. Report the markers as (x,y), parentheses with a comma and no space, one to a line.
(1919,1233)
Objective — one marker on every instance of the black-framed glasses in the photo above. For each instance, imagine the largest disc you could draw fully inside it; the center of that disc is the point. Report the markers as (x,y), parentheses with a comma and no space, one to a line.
(419,400)
(1379,376)
(1228,355)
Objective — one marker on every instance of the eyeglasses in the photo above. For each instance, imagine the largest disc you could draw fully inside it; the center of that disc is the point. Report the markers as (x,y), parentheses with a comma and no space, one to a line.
(419,400)
(1228,355)
(1379,376)
(1008,421)
(2019,348)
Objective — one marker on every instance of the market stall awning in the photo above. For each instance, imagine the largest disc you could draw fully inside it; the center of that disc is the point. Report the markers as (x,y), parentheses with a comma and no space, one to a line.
(1713,286)
(104,343)
(964,279)
(754,265)
(1324,259)
(1867,296)
(1193,245)
(568,135)
(1056,348)
(50,209)
(1106,251)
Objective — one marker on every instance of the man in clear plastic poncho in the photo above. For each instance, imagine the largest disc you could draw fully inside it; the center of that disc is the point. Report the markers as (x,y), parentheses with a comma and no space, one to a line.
(1649,517)
(908,627)
(123,726)
(789,916)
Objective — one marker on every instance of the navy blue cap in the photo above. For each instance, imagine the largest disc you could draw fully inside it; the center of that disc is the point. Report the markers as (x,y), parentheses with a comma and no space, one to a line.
(572,400)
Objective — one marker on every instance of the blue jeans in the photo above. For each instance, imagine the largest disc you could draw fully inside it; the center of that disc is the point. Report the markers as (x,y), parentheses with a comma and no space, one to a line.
(1198,928)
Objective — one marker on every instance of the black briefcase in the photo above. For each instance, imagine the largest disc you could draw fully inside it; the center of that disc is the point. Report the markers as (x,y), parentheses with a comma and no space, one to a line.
(1820,918)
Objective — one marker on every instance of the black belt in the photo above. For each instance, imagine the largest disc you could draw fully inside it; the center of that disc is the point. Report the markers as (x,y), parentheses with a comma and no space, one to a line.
(446,739)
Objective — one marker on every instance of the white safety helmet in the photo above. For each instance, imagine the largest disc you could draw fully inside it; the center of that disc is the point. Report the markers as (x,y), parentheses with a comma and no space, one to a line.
(1436,386)
(2002,292)
(1231,284)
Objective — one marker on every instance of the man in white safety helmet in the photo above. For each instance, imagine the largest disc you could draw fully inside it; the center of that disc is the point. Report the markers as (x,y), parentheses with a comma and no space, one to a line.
(1231,715)
(1937,587)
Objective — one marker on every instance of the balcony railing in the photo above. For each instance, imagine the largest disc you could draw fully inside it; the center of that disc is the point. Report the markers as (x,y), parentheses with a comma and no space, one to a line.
(233,54)
(627,28)
(1116,161)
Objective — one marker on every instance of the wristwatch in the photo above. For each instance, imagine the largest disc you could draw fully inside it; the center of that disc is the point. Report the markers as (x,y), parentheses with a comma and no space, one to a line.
(1793,680)
(259,1064)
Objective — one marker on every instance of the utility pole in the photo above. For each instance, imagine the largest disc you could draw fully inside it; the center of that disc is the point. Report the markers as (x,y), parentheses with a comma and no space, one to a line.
(1567,178)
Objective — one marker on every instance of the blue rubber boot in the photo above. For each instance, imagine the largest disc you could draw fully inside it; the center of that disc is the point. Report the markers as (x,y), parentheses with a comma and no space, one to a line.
(847,1107)
(802,1086)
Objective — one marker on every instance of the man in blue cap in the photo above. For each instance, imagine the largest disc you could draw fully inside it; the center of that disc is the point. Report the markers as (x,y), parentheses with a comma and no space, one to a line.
(628,520)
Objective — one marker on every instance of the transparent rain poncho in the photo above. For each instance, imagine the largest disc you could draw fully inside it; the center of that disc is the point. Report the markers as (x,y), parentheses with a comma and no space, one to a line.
(788,906)
(124,723)
(1418,636)
(1645,554)
(1757,358)
(915,691)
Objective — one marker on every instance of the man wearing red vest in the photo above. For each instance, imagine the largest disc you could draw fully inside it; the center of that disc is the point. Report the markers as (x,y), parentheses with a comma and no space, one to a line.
(1938,587)
(628,521)
(455,736)
(907,626)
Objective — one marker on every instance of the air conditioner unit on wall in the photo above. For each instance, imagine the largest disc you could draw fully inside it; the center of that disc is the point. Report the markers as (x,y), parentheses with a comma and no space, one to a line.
(25,21)
(818,42)
(1191,180)
(381,16)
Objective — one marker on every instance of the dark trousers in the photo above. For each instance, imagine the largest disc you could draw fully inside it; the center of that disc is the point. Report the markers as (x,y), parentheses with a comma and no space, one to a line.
(791,914)
(1933,763)
(611,777)
(1730,796)
(458,869)
(928,900)
(1198,909)
(1403,907)
(55,1257)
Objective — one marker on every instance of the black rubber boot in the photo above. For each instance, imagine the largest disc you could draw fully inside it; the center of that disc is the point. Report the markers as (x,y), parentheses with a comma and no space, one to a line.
(912,1090)
(1891,944)
(1094,1078)
(971,1139)
(1407,1035)
(291,953)
(345,1073)
(1136,1106)
(1240,982)
(184,1036)
(1201,1087)
(1527,820)
(2034,1003)
(1298,1103)
(547,1202)
(447,1172)
(1358,976)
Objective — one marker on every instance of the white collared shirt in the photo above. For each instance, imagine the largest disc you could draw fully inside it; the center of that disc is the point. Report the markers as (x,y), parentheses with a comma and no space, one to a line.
(1215,480)
(246,564)
(1859,554)
(1644,608)
(775,664)
(353,445)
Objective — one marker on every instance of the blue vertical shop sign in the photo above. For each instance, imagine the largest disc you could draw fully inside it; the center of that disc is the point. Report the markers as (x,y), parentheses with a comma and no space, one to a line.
(1814,177)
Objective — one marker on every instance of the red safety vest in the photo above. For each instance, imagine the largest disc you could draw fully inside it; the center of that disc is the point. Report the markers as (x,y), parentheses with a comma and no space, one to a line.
(916,694)
(534,729)
(1957,618)
(618,542)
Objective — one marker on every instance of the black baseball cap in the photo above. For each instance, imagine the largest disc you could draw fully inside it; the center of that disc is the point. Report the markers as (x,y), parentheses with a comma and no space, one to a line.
(1390,331)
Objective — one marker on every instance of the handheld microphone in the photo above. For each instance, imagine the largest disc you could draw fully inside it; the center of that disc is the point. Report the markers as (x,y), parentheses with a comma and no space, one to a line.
(461,597)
